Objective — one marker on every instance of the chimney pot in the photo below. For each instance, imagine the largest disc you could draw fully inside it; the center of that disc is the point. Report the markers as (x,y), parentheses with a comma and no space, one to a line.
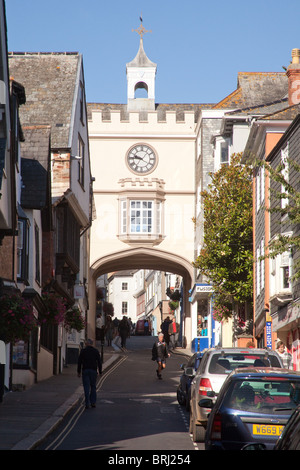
(293,74)
(295,56)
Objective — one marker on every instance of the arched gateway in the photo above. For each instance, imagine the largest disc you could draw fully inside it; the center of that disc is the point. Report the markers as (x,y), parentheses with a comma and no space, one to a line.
(147,258)
(143,159)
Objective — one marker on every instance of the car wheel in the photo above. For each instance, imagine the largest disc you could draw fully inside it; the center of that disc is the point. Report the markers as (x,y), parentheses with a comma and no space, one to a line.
(198,432)
(180,398)
(191,423)
(187,401)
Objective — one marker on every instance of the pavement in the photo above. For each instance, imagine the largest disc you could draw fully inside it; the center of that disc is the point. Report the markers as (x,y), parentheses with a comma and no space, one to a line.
(28,417)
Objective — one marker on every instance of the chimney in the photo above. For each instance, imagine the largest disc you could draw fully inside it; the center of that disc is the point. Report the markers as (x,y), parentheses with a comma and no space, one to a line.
(293,74)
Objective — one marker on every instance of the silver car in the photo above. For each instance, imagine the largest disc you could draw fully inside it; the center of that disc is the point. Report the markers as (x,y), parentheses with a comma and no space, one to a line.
(215,366)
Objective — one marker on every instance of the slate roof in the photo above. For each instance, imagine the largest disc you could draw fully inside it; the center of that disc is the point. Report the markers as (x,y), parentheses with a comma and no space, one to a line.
(50,81)
(35,161)
(256,88)
(286,114)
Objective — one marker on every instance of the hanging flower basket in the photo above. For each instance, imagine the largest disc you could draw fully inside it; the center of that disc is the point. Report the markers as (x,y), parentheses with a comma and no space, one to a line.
(108,309)
(74,320)
(55,309)
(173,304)
(17,319)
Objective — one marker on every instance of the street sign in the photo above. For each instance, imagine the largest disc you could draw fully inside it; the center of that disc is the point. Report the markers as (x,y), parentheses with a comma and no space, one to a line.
(269,334)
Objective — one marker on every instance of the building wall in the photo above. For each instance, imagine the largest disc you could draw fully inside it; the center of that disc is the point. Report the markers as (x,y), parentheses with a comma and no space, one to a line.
(117,295)
(279,224)
(172,181)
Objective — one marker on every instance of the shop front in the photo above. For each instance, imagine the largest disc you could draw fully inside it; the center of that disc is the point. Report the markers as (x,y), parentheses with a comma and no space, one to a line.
(205,330)
(286,323)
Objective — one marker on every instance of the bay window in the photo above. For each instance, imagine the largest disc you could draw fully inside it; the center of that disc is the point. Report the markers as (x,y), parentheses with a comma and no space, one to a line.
(140,218)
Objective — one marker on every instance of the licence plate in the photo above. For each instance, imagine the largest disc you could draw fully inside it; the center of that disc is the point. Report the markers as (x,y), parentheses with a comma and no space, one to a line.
(266,430)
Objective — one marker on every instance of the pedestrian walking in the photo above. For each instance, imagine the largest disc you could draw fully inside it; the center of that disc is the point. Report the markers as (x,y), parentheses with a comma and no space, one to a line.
(160,354)
(173,333)
(165,329)
(100,327)
(109,330)
(89,362)
(146,327)
(286,357)
(124,331)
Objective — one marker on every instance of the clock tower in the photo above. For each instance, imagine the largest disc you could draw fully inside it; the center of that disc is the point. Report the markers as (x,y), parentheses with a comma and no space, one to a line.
(141,75)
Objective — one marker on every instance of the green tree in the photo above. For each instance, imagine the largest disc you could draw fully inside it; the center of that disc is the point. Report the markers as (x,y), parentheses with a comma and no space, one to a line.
(226,258)
(283,190)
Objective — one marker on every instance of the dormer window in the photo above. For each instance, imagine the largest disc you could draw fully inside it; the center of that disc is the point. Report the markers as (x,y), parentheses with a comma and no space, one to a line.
(221,152)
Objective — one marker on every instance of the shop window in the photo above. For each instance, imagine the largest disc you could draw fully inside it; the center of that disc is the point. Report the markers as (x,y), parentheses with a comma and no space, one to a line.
(202,317)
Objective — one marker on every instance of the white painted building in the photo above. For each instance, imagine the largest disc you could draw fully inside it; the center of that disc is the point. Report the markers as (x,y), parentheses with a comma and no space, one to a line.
(143,161)
(121,286)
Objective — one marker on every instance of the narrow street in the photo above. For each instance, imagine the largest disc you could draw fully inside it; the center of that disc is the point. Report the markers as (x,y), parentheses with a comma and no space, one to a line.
(135,411)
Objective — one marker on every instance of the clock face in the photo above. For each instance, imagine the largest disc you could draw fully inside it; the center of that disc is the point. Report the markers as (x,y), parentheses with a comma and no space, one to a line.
(141,159)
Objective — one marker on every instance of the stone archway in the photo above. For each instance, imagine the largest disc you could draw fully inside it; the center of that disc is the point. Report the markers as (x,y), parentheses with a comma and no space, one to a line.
(142,258)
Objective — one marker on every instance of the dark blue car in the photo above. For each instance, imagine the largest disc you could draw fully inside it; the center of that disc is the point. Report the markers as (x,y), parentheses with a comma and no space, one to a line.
(189,372)
(253,406)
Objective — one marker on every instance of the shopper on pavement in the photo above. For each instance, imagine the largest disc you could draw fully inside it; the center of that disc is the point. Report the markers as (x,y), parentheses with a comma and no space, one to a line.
(165,329)
(286,357)
(89,362)
(173,333)
(160,354)
(109,330)
(124,331)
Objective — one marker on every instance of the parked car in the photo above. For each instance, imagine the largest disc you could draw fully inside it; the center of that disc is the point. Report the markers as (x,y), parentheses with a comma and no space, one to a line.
(288,440)
(216,365)
(253,406)
(140,328)
(189,372)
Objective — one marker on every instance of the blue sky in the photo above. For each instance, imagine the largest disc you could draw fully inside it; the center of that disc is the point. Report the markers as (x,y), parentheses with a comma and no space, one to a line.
(199,46)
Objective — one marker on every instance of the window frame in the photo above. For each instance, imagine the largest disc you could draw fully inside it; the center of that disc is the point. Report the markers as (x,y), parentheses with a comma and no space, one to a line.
(23,249)
(81,155)
(131,223)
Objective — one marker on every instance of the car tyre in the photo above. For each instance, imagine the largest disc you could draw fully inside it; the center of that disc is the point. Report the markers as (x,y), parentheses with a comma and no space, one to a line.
(180,398)
(187,401)
(191,423)
(198,433)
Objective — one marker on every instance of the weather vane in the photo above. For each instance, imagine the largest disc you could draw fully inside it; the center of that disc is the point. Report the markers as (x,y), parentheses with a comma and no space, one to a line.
(141,30)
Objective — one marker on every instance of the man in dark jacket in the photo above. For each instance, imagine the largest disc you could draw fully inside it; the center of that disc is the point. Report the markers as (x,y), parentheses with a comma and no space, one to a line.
(124,331)
(89,361)
(160,354)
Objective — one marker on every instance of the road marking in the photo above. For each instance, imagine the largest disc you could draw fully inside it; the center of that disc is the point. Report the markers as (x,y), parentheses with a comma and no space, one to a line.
(144,400)
(72,422)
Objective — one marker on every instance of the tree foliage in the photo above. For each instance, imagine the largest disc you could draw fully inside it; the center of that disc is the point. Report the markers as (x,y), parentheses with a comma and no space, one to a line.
(226,257)
(291,209)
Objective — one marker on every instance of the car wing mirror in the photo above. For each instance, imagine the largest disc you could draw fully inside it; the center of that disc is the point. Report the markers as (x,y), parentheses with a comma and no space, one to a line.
(206,403)
(189,371)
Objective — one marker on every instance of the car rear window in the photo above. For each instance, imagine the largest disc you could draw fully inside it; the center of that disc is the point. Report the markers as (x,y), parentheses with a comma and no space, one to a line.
(225,363)
(263,395)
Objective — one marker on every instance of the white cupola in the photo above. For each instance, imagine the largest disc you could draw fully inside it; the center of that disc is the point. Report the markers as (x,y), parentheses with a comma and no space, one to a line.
(141,74)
